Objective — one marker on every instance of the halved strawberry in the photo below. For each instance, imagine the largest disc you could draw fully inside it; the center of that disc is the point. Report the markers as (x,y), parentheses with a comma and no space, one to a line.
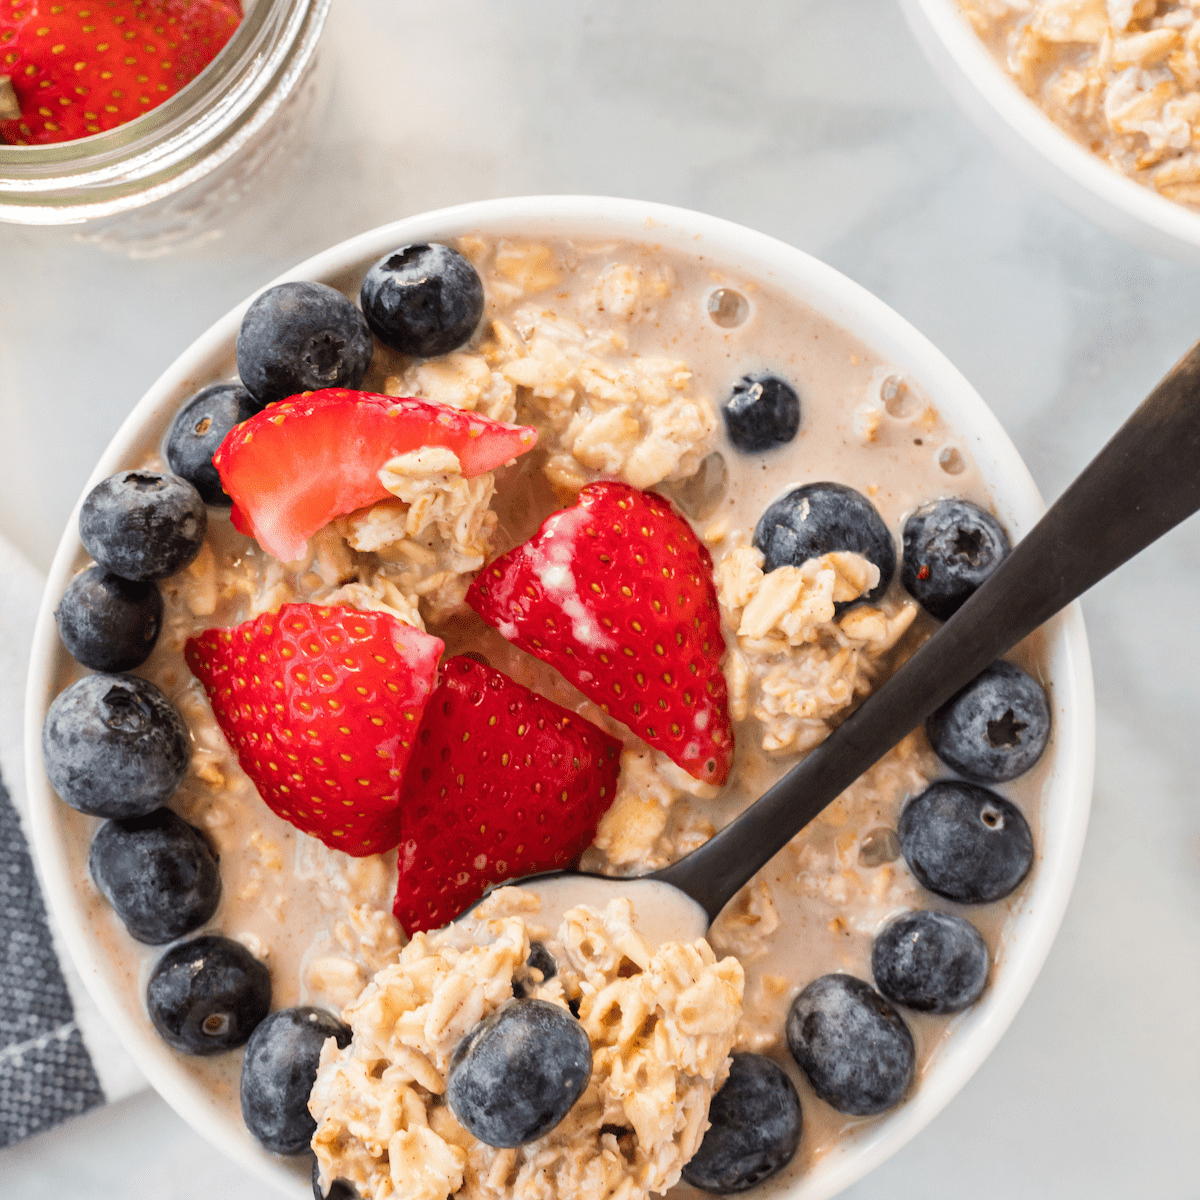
(298,464)
(322,706)
(77,68)
(503,783)
(617,594)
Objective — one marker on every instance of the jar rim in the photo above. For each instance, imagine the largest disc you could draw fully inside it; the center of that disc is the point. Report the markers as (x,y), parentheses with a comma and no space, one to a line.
(179,141)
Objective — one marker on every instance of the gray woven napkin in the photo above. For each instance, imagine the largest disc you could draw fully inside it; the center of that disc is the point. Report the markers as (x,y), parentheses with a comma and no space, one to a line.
(57,1056)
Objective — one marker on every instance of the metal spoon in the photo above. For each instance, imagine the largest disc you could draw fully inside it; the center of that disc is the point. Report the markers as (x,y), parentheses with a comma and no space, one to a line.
(1143,483)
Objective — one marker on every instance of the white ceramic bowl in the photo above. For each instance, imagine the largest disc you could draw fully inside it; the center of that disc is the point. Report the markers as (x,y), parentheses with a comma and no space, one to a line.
(1069,780)
(1032,140)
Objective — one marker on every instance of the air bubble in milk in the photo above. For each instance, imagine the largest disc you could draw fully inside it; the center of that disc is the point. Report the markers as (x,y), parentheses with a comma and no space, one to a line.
(951,461)
(728,308)
(700,494)
(898,398)
(880,846)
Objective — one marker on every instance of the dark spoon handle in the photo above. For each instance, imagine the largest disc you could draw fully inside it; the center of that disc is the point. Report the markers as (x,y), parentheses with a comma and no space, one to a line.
(1144,482)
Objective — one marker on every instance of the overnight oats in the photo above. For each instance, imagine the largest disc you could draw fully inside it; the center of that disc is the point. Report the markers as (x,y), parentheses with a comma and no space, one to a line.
(1122,77)
(554,551)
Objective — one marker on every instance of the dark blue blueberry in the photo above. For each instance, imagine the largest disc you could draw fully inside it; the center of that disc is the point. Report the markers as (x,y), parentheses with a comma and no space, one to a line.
(853,1046)
(995,728)
(301,337)
(422,299)
(109,623)
(762,412)
(754,1128)
(208,995)
(279,1071)
(950,548)
(114,746)
(339,1189)
(964,842)
(143,524)
(930,961)
(517,1073)
(199,429)
(159,874)
(821,517)
(540,959)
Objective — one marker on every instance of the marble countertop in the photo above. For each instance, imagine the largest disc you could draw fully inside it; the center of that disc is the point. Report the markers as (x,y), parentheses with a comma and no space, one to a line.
(818,122)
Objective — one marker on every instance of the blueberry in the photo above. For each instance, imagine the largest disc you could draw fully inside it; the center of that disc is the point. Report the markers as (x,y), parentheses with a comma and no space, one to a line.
(820,517)
(199,429)
(300,337)
(930,961)
(109,623)
(207,995)
(339,1189)
(853,1046)
(422,299)
(754,1128)
(762,412)
(143,524)
(278,1072)
(950,548)
(995,728)
(517,1073)
(540,959)
(114,746)
(964,842)
(159,874)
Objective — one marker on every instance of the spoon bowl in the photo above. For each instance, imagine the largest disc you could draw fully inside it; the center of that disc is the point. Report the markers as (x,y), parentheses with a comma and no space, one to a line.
(665,913)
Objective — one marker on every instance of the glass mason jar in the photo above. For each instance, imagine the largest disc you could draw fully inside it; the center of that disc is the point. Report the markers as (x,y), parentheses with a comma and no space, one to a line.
(163,179)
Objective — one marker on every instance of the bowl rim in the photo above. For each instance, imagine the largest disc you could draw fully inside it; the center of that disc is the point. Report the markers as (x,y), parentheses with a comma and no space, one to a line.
(838,298)
(942,24)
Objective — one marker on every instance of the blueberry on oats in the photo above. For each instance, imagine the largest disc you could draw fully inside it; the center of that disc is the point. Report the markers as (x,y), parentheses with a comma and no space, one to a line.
(517,1073)
(301,337)
(822,517)
(423,300)
(278,1072)
(754,1128)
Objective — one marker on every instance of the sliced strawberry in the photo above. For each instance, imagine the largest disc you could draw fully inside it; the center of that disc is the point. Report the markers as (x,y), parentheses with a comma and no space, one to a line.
(298,464)
(75,68)
(503,783)
(322,706)
(617,594)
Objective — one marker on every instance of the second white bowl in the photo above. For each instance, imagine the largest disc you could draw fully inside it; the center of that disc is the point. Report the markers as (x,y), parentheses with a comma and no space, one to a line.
(1035,143)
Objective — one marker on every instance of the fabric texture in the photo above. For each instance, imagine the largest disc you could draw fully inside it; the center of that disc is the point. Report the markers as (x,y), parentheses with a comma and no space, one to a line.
(46,1072)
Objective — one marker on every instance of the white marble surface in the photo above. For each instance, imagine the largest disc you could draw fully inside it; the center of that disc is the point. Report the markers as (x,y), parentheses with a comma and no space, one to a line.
(816,121)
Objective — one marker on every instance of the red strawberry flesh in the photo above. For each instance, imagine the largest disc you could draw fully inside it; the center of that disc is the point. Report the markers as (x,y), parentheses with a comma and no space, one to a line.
(298,464)
(77,69)
(503,783)
(322,706)
(617,594)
